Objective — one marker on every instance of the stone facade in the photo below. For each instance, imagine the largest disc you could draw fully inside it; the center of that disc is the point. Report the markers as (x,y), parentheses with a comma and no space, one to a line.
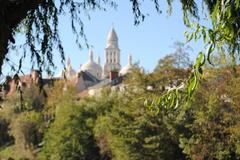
(112,61)
(112,54)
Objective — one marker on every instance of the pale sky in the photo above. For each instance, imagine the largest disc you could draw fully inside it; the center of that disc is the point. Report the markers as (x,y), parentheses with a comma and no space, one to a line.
(147,42)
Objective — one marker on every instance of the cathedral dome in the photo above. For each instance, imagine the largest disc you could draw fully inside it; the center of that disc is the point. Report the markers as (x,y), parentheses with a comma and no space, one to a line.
(92,67)
(127,68)
(112,39)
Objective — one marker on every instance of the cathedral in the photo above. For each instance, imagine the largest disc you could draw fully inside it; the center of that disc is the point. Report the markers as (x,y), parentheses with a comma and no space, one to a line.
(92,73)
(89,79)
(112,62)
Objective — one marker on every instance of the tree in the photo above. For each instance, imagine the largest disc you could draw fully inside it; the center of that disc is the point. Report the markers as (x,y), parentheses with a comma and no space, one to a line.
(178,59)
(116,125)
(213,119)
(4,136)
(131,132)
(25,121)
(60,92)
(38,20)
(71,135)
(27,130)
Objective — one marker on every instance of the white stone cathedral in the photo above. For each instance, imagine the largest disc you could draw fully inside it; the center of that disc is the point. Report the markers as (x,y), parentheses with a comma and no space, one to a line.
(112,61)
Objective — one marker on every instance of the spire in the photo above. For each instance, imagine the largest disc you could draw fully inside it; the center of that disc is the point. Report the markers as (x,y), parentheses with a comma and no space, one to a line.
(112,38)
(90,55)
(98,60)
(69,66)
(68,61)
(130,59)
(112,35)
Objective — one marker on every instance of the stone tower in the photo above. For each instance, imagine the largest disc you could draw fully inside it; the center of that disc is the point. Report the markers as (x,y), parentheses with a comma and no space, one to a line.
(112,54)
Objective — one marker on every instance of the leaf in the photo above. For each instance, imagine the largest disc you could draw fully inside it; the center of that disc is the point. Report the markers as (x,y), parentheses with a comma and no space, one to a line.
(172,100)
(200,70)
(188,36)
(215,11)
(192,84)
(237,4)
(209,52)
(211,35)
(202,59)
(204,35)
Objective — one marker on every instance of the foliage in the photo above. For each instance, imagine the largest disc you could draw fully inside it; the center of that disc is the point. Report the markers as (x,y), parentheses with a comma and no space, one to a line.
(7,151)
(117,125)
(112,126)
(25,123)
(213,115)
(178,59)
(74,125)
(173,76)
(4,137)
(130,131)
(27,131)
(32,99)
(61,92)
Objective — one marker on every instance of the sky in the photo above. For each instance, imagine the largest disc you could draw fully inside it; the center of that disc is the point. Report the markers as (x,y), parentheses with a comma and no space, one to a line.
(147,42)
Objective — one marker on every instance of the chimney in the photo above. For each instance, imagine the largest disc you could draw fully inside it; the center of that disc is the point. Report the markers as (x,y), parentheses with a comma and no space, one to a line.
(113,75)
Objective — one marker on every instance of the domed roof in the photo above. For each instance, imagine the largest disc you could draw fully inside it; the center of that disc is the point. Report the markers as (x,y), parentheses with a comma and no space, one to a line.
(92,67)
(127,68)
(112,39)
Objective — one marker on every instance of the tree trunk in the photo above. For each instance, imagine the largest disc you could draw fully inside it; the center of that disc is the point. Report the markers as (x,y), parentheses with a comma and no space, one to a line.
(4,37)
(12,12)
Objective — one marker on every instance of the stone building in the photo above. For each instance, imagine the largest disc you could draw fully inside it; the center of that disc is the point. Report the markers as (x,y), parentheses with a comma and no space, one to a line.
(90,75)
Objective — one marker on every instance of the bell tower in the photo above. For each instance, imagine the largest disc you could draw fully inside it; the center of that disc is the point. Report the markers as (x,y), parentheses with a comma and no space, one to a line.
(112,54)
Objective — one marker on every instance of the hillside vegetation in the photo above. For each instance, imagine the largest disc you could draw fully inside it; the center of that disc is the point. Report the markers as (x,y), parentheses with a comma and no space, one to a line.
(119,125)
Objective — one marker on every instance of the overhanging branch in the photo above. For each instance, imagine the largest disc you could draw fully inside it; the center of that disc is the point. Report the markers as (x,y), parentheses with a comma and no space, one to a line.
(12,12)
